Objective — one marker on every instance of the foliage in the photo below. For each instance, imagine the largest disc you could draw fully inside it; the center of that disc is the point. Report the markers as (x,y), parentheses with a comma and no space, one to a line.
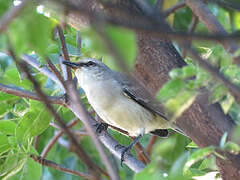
(21,120)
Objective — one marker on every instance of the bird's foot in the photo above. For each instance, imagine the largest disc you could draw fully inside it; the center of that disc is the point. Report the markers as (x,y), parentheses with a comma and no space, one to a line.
(101,127)
(126,150)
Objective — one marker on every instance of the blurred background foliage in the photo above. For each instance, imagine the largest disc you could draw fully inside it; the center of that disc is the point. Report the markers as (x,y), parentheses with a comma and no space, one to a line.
(21,120)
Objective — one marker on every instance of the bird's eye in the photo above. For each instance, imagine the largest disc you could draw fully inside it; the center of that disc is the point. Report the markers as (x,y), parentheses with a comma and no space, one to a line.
(90,63)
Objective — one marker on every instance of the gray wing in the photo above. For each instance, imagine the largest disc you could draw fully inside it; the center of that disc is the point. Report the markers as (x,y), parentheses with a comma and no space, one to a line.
(134,90)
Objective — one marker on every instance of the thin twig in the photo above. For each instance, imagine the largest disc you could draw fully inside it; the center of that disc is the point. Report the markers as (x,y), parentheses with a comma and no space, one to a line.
(36,141)
(211,22)
(56,72)
(63,67)
(17,91)
(151,142)
(78,149)
(141,152)
(174,8)
(191,29)
(12,13)
(86,118)
(232,88)
(64,50)
(54,139)
(43,69)
(59,167)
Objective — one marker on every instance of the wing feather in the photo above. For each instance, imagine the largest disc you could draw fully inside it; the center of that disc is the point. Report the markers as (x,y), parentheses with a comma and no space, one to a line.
(134,90)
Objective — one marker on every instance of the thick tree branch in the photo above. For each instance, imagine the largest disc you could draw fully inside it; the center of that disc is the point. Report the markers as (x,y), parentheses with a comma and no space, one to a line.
(27,94)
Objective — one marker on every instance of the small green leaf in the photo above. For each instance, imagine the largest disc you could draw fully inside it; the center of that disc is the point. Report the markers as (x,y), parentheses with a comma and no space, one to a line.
(231,147)
(34,122)
(4,144)
(7,127)
(192,145)
(12,165)
(170,89)
(197,156)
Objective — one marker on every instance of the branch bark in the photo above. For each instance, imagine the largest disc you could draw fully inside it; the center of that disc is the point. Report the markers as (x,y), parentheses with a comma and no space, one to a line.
(27,94)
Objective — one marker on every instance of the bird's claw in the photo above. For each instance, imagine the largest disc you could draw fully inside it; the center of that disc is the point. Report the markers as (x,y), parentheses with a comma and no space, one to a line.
(124,151)
(101,127)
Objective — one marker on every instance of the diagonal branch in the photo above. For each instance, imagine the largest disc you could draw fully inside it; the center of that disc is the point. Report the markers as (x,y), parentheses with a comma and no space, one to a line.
(54,165)
(56,72)
(174,8)
(64,50)
(211,22)
(55,138)
(27,94)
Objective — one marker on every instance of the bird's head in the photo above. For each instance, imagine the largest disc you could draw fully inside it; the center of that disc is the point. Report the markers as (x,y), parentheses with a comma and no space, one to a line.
(89,69)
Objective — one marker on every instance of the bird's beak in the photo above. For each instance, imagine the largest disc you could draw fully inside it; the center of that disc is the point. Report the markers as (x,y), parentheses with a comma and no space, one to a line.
(71,64)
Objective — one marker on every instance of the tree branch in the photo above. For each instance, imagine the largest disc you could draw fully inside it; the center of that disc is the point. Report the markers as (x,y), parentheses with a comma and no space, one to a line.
(27,94)
(64,50)
(174,8)
(55,138)
(54,165)
(211,22)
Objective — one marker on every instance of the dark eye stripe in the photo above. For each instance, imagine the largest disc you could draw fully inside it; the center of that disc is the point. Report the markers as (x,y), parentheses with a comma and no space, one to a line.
(90,63)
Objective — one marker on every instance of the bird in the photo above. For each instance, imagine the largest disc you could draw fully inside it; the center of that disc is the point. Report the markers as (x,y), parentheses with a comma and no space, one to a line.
(120,100)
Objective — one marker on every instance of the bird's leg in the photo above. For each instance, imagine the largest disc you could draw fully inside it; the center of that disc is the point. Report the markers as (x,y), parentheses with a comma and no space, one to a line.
(101,127)
(128,148)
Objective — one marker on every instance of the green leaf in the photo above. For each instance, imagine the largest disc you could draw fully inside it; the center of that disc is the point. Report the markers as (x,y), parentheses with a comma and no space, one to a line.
(177,105)
(31,31)
(170,89)
(218,93)
(231,147)
(197,156)
(12,77)
(34,122)
(12,165)
(4,6)
(4,144)
(7,127)
(192,145)
(31,169)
